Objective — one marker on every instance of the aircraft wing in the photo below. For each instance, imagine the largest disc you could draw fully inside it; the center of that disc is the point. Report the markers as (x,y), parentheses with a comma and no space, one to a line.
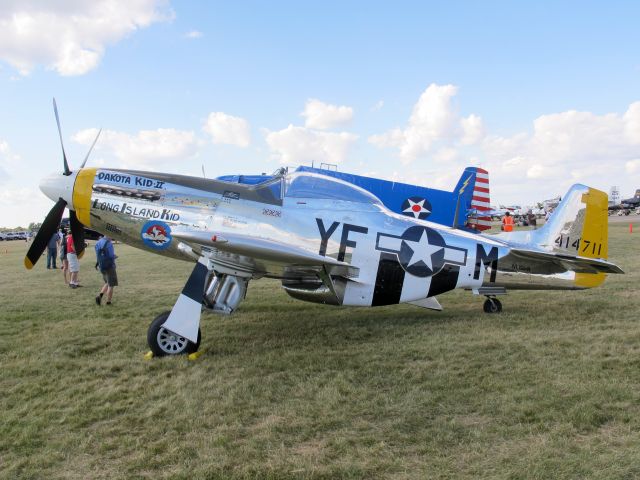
(536,261)
(258,250)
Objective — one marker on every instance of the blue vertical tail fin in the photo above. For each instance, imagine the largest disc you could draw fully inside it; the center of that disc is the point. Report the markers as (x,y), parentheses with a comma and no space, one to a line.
(474,198)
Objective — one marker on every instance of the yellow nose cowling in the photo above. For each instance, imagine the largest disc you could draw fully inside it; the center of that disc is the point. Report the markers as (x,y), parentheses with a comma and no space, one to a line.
(82,189)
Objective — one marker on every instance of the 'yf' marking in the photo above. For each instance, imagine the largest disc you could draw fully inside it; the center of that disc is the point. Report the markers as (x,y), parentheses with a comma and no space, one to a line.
(325,235)
(421,251)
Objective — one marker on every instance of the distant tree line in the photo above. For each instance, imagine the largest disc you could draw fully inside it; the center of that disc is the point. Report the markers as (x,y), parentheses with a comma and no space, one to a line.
(33,227)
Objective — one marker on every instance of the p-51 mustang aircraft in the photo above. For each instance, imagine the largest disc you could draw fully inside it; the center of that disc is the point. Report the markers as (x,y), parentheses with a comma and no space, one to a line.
(329,241)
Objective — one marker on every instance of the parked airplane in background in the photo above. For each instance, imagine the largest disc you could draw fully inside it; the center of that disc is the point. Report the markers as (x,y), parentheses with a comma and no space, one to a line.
(327,240)
(632,202)
(465,207)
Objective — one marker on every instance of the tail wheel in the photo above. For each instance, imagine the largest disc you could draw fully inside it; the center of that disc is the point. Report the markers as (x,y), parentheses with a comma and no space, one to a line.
(492,305)
(164,342)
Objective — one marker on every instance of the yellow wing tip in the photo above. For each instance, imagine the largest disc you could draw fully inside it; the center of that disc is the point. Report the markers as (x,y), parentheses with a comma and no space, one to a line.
(27,263)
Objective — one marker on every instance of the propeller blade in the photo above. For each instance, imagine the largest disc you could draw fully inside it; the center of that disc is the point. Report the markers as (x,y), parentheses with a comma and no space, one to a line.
(67,172)
(77,231)
(48,228)
(89,152)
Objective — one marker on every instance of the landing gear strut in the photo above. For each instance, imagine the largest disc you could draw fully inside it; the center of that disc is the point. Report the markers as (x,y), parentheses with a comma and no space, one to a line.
(492,305)
(178,331)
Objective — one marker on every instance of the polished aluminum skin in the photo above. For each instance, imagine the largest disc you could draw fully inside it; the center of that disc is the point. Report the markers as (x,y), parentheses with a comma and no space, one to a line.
(330,241)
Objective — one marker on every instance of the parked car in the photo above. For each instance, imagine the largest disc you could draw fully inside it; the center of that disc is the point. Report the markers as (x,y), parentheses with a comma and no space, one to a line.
(16,236)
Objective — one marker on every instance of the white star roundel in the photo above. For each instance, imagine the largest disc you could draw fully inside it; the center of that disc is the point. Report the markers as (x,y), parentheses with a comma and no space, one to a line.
(416,207)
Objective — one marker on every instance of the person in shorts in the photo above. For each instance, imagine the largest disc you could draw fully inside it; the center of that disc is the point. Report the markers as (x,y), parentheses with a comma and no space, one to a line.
(74,263)
(106,263)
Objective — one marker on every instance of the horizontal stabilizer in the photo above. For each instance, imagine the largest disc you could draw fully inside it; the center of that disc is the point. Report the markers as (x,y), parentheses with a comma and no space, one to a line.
(534,261)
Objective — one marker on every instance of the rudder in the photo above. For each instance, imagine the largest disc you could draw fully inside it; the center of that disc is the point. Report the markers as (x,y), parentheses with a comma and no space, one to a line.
(579,227)
(474,195)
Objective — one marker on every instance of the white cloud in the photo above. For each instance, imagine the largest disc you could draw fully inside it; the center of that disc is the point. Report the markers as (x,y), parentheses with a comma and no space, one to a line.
(378,106)
(446,155)
(433,120)
(22,205)
(632,123)
(144,149)
(20,200)
(564,148)
(632,166)
(9,161)
(324,116)
(16,196)
(539,171)
(472,130)
(193,34)
(70,36)
(295,145)
(560,148)
(227,129)
(5,151)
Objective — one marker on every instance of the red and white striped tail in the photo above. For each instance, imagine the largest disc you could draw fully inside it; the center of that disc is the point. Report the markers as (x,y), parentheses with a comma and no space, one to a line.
(480,201)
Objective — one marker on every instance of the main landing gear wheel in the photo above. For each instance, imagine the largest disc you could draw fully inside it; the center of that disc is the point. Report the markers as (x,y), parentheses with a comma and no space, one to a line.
(492,305)
(163,342)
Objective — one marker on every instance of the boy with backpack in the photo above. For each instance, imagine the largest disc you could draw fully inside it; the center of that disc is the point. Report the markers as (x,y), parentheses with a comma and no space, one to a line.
(106,263)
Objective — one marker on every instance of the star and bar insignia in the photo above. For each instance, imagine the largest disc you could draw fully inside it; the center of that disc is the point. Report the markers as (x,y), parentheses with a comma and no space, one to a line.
(421,251)
(416,207)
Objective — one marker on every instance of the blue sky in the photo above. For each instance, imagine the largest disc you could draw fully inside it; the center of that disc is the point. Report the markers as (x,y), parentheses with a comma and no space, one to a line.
(542,94)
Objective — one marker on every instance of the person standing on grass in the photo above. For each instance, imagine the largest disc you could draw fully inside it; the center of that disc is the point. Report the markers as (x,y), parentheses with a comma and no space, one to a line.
(74,264)
(52,251)
(507,222)
(63,256)
(531,218)
(106,263)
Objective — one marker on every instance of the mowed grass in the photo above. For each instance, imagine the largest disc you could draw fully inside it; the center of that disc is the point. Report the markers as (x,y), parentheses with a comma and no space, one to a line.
(550,388)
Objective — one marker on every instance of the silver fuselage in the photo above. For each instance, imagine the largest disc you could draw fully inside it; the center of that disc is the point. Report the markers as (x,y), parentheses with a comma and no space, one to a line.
(396,259)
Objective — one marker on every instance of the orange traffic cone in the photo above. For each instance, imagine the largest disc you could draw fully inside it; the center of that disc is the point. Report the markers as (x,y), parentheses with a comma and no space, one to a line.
(631,228)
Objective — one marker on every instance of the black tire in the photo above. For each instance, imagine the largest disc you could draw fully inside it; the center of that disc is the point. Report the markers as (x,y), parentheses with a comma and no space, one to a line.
(492,305)
(163,342)
(499,304)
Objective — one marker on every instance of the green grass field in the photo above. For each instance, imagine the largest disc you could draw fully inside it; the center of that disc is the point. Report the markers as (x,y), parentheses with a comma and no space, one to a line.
(548,389)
